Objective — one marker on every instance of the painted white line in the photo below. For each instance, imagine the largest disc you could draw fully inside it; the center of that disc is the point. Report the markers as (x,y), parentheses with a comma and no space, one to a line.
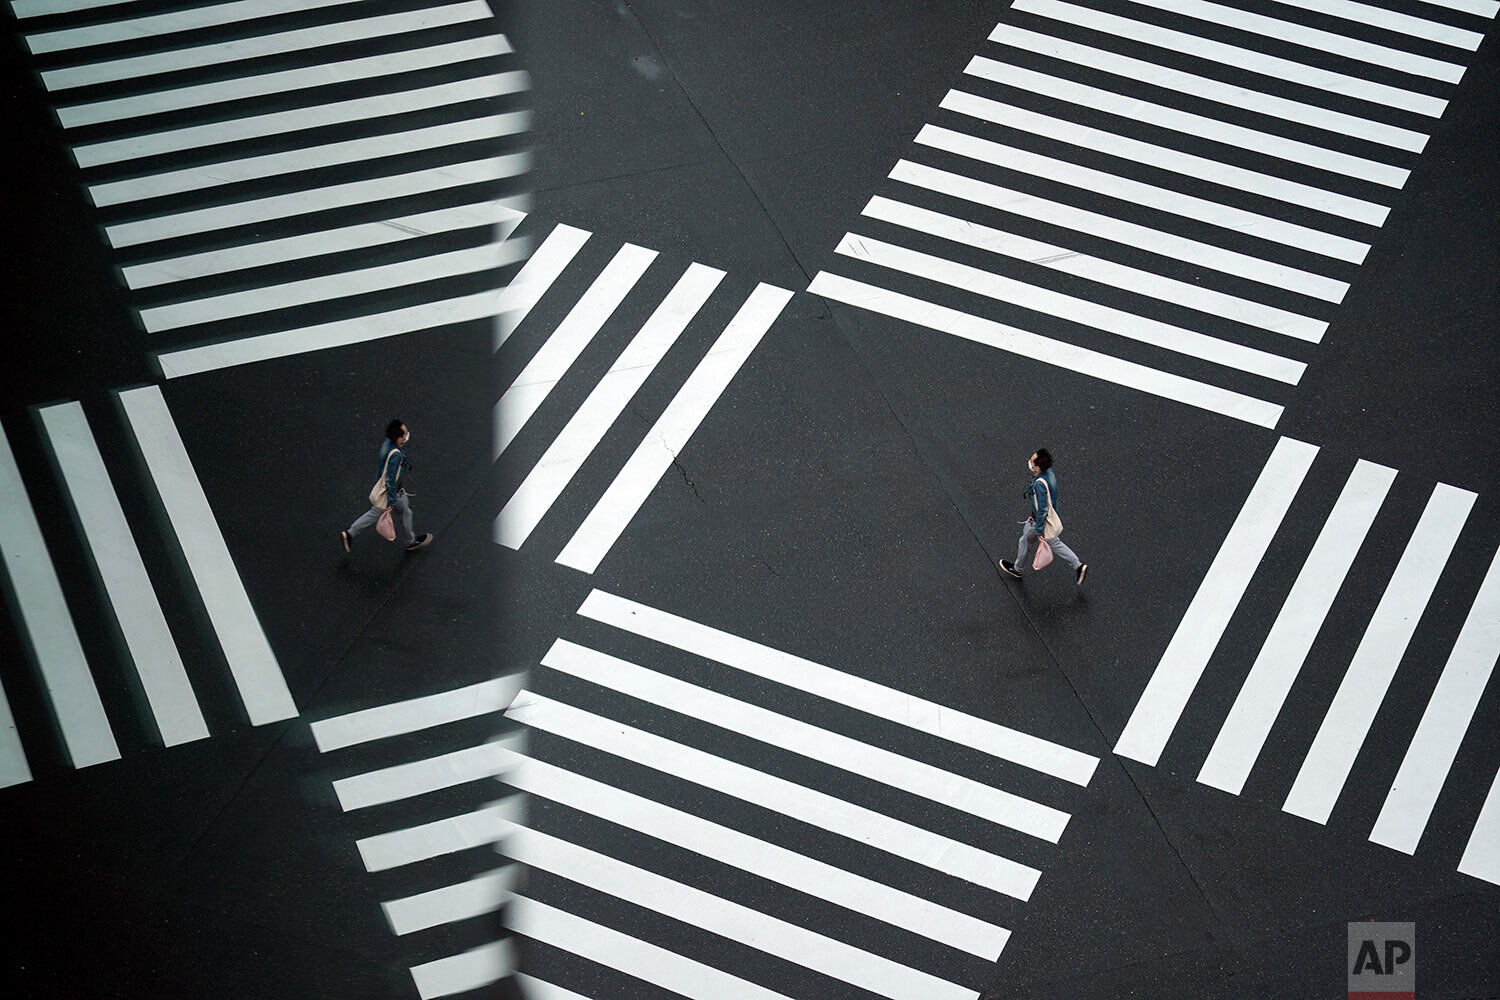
(1187,123)
(132,598)
(211,175)
(466,971)
(1342,734)
(214,308)
(1201,628)
(769,861)
(415,714)
(728,919)
(479,828)
(1105,272)
(418,777)
(479,895)
(1265,690)
(810,806)
(500,214)
(1176,161)
(535,989)
(1479,8)
(1311,38)
(1451,709)
(1482,854)
(255,46)
(48,626)
(672,430)
(567,341)
(163,24)
(632,956)
(1043,300)
(834,749)
(336,333)
(282,122)
(1149,195)
(307,78)
(587,427)
(13,767)
(257,675)
(1119,231)
(1045,350)
(1379,17)
(1209,89)
(845,689)
(278,206)
(527,288)
(1233,55)
(41,8)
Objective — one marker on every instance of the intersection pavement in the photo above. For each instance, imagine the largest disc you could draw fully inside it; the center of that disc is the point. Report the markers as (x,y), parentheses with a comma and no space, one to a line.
(722,330)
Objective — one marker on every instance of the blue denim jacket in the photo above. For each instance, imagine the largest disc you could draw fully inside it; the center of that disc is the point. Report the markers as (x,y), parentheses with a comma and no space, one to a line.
(1036,499)
(391,470)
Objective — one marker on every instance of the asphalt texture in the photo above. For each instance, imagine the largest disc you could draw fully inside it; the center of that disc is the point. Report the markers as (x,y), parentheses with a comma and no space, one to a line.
(846,500)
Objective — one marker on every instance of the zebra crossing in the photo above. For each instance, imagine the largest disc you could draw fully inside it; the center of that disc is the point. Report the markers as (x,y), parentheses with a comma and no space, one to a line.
(291,176)
(1169,195)
(126,593)
(603,302)
(477,894)
(755,798)
(1369,673)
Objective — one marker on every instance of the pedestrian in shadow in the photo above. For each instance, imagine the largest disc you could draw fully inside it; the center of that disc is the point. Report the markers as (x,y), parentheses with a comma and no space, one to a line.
(1043,524)
(389,492)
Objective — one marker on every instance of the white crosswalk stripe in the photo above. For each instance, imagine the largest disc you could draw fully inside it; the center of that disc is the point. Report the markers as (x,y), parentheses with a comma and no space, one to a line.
(614,298)
(1415,587)
(1178,165)
(855,887)
(425,174)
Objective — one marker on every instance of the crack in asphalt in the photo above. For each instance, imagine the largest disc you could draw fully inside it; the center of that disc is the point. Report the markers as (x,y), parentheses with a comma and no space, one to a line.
(687,479)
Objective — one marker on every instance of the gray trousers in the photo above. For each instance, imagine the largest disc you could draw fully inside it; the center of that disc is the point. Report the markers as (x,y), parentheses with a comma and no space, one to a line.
(1027,546)
(400,513)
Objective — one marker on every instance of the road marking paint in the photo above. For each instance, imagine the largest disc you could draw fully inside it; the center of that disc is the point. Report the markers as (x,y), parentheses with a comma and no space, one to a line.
(672,430)
(1479,8)
(479,828)
(419,777)
(567,341)
(305,78)
(132,598)
(1238,57)
(1119,231)
(342,284)
(1449,712)
(1045,350)
(535,989)
(13,767)
(759,857)
(1379,17)
(1084,311)
(256,46)
(1201,628)
(1105,272)
(1370,672)
(632,956)
(842,688)
(48,627)
(834,749)
(527,288)
(162,24)
(1265,690)
(815,808)
(279,206)
(416,714)
(728,919)
(1482,853)
(1176,161)
(452,903)
(257,675)
(41,8)
(1209,89)
(587,427)
(465,971)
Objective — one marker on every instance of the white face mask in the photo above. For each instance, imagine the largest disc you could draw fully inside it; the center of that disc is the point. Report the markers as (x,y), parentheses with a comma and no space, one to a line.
(406,440)
(1031,468)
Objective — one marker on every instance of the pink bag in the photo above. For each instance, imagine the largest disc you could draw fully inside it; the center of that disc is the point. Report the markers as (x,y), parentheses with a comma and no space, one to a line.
(1043,557)
(385,527)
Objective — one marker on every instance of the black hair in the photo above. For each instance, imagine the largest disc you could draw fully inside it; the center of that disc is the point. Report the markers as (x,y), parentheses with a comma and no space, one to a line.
(1043,459)
(393,429)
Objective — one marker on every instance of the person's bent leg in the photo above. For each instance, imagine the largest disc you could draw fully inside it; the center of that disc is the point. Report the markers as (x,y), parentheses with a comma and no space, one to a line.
(364,521)
(403,508)
(1060,550)
(1024,548)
